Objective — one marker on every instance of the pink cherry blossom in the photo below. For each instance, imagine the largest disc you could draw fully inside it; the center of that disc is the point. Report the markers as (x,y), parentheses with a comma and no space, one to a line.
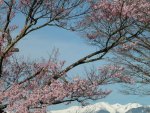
(32,86)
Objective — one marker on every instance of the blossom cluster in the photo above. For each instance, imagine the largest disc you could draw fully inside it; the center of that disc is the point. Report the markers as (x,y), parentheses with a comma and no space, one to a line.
(27,95)
(137,9)
(116,72)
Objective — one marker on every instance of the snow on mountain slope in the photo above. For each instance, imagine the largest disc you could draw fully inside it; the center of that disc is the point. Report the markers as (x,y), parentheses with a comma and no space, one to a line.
(101,107)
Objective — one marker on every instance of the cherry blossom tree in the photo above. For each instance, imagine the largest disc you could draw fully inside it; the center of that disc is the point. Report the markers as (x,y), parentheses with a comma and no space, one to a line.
(28,86)
(134,53)
(136,60)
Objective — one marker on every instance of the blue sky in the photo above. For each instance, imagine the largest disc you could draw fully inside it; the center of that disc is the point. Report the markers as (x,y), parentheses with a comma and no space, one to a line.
(72,47)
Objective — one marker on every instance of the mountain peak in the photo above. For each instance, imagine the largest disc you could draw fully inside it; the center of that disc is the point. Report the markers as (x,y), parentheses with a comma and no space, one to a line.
(103,107)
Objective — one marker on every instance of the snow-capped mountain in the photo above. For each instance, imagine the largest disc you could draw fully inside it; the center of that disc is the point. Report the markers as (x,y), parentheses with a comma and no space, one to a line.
(103,107)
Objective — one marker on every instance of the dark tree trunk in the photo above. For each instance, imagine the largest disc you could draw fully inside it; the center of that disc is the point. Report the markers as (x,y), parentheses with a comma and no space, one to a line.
(2,107)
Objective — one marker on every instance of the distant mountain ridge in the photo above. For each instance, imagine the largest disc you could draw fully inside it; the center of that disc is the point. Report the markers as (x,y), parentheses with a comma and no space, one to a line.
(104,107)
